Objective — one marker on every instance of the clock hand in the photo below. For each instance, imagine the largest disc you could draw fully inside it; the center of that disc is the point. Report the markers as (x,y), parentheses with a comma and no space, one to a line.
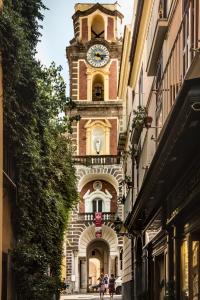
(100,55)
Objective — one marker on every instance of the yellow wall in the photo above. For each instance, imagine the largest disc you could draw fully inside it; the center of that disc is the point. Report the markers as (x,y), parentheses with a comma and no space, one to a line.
(140,42)
(1,165)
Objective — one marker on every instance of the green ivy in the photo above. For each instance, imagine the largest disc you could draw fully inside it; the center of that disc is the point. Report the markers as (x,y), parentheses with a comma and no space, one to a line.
(41,149)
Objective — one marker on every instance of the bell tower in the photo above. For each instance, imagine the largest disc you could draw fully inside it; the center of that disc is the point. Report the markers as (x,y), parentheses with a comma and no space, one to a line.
(94,61)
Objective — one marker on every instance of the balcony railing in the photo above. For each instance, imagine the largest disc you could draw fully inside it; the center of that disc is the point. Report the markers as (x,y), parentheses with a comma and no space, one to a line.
(156,34)
(90,217)
(89,160)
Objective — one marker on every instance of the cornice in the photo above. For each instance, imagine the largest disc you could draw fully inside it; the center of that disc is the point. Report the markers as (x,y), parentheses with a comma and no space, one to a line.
(92,9)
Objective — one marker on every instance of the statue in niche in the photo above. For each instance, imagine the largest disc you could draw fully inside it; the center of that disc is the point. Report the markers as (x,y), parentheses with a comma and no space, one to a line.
(98,145)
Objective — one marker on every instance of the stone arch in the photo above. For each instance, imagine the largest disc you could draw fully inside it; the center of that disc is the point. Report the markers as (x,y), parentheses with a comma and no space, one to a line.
(88,235)
(114,177)
(97,26)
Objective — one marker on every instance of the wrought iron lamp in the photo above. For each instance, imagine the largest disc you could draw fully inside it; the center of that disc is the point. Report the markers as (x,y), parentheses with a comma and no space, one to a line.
(118,228)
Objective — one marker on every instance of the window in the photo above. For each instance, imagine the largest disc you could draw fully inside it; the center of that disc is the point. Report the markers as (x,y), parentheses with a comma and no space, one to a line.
(98,88)
(186,36)
(97,28)
(184,271)
(97,205)
(195,270)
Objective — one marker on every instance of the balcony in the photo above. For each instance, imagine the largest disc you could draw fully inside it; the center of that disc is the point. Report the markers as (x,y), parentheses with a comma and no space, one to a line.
(156,35)
(90,217)
(91,160)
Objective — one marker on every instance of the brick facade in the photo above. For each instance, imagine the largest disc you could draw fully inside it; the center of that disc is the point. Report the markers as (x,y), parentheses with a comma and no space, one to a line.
(110,28)
(82,137)
(113,136)
(82,81)
(84,30)
(105,186)
(113,81)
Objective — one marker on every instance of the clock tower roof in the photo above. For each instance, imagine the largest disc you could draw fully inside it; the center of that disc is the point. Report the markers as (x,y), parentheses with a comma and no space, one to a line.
(85,9)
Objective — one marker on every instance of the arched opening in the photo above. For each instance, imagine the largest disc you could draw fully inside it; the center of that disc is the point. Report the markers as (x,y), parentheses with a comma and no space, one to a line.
(98,88)
(98,253)
(98,27)
(94,270)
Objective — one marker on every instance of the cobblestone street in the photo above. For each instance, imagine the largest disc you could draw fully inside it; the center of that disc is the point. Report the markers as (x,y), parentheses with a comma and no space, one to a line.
(88,297)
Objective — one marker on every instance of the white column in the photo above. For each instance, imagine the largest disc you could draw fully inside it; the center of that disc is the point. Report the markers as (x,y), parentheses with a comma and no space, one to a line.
(76,268)
(89,86)
(106,87)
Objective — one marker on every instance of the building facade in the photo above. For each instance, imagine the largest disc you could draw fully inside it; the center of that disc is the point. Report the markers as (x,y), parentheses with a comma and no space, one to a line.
(94,53)
(161,207)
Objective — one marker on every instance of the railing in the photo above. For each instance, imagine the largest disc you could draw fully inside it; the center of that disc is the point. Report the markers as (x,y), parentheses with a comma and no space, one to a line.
(89,160)
(177,64)
(90,217)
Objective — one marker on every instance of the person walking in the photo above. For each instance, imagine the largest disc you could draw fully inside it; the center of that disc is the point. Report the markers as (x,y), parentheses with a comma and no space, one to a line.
(101,286)
(106,281)
(111,286)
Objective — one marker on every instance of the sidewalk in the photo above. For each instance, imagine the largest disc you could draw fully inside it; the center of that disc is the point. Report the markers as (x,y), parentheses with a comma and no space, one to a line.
(88,297)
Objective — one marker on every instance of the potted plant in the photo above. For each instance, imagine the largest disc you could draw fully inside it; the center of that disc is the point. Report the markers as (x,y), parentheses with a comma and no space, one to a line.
(147,121)
(139,116)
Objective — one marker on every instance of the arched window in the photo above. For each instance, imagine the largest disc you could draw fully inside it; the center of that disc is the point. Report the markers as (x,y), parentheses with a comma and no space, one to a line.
(97,27)
(97,205)
(98,88)
(98,137)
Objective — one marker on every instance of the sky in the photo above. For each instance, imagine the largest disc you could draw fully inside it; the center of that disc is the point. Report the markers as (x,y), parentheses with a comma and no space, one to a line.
(58,30)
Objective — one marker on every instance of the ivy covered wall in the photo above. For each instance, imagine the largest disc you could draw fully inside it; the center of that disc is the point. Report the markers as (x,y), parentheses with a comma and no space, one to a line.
(41,151)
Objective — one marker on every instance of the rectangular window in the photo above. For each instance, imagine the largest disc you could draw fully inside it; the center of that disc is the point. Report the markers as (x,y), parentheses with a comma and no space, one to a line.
(97,205)
(186,36)
(195,270)
(184,271)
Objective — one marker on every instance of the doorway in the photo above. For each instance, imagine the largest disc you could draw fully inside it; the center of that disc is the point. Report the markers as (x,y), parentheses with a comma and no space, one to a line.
(98,253)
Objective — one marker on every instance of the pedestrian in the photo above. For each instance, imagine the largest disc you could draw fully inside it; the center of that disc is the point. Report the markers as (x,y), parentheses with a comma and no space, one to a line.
(111,286)
(64,286)
(101,286)
(106,281)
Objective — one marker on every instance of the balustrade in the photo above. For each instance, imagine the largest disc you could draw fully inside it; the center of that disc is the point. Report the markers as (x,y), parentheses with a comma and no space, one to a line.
(90,217)
(88,160)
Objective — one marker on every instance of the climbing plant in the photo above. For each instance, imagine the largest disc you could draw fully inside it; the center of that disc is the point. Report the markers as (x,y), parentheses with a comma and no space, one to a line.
(41,148)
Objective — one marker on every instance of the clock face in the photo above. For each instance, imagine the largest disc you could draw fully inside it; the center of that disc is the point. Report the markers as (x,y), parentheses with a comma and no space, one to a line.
(98,56)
